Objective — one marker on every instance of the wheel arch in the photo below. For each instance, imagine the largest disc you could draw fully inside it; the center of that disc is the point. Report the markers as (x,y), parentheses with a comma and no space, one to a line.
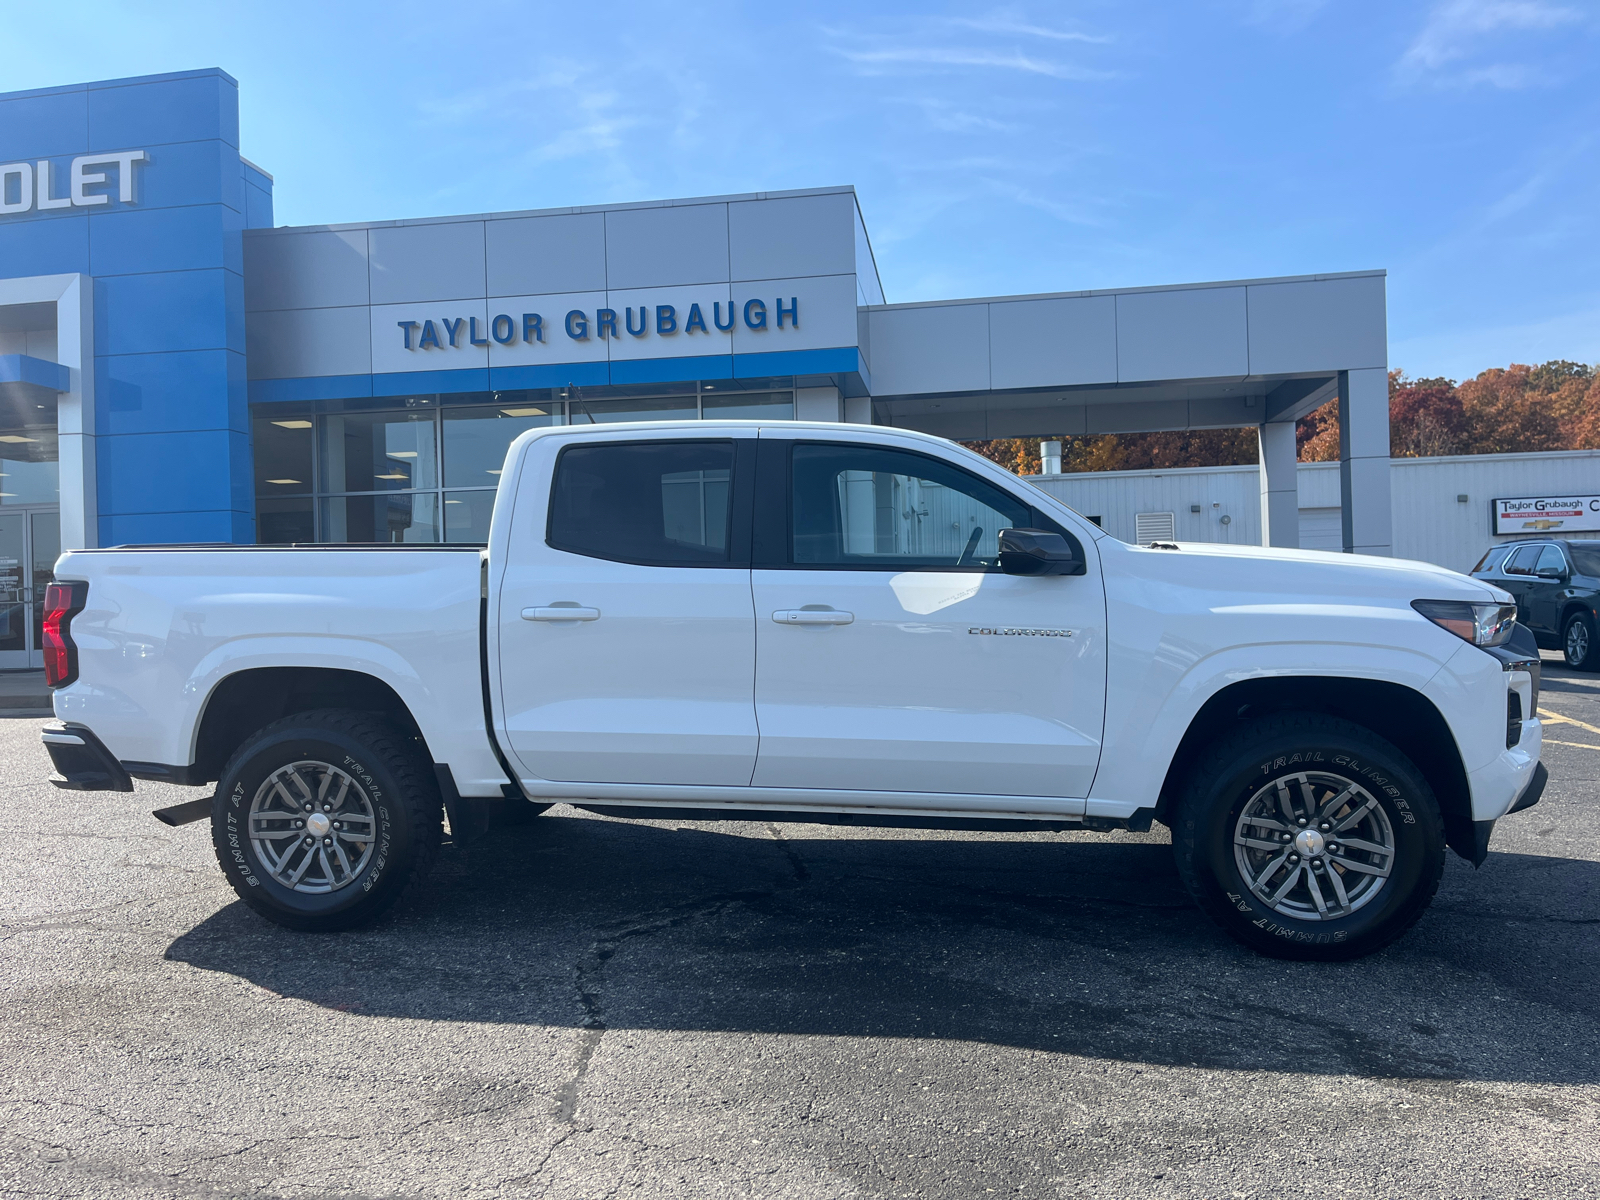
(247,700)
(1573,608)
(1400,715)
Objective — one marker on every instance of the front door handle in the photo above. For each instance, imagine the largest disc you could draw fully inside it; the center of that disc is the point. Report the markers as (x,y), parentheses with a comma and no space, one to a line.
(558,612)
(812,616)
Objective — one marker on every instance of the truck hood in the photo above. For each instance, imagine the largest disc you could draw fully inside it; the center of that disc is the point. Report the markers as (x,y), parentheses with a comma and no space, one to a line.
(1309,574)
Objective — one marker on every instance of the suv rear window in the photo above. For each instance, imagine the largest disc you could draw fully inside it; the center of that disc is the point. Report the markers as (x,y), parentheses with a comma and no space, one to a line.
(1492,558)
(664,504)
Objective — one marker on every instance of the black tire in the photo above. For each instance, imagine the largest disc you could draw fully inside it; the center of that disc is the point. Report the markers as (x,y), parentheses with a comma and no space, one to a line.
(1578,644)
(384,831)
(1323,754)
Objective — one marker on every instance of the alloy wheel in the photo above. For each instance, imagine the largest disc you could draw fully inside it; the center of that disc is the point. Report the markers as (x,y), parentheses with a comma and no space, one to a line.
(1577,642)
(1314,846)
(313,827)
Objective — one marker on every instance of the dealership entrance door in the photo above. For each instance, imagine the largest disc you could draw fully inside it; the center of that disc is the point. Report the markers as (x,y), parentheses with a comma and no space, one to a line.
(30,543)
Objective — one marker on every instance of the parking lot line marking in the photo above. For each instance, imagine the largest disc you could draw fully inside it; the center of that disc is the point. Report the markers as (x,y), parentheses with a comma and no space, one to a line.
(1579,745)
(1552,715)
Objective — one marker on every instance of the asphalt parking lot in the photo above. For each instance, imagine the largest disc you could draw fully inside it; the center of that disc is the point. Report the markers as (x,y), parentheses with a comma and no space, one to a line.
(587,1008)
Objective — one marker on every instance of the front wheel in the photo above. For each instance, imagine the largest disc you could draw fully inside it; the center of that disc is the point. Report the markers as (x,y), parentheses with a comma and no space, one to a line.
(1578,643)
(323,819)
(1309,837)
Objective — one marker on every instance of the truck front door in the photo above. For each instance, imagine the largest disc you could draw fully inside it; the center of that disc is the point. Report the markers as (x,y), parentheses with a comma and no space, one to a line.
(626,634)
(893,655)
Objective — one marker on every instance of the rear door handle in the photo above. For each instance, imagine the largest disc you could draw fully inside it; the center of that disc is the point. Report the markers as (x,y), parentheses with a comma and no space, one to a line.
(812,616)
(560,613)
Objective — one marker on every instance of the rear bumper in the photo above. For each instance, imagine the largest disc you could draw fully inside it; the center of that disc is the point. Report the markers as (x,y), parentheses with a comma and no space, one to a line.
(83,761)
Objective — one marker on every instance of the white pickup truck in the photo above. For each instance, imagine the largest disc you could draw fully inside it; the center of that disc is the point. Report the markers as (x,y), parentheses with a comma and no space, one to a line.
(805,622)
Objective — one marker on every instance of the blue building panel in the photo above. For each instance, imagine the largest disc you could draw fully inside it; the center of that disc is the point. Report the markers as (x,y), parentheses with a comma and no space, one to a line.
(174,472)
(35,125)
(324,387)
(138,241)
(55,245)
(186,108)
(189,173)
(145,529)
(511,379)
(672,370)
(161,312)
(155,393)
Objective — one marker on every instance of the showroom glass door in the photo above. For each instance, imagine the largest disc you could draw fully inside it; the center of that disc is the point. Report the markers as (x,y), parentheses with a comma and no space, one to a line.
(30,543)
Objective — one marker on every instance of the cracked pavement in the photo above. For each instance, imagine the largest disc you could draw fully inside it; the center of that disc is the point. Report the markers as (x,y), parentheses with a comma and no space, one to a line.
(586,1007)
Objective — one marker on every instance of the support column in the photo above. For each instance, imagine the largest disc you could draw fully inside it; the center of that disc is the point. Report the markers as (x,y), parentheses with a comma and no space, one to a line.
(817,404)
(1280,486)
(1364,503)
(858,410)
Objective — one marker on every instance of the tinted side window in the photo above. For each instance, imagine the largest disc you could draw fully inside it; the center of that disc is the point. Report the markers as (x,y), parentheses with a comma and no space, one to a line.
(1492,558)
(882,509)
(654,503)
(1550,559)
(1521,563)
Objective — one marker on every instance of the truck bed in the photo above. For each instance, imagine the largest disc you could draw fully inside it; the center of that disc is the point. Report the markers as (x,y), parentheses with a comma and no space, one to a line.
(163,625)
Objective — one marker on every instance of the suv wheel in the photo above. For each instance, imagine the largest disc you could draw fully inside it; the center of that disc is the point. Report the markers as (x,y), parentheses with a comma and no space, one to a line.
(1305,836)
(322,820)
(1578,643)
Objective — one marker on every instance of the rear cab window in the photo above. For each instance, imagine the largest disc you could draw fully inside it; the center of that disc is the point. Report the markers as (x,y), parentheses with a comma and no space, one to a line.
(666,504)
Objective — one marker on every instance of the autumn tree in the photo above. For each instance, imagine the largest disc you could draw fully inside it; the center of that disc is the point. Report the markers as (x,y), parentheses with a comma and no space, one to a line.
(1515,409)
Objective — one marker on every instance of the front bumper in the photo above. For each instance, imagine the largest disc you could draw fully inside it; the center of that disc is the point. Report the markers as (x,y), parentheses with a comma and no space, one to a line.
(83,761)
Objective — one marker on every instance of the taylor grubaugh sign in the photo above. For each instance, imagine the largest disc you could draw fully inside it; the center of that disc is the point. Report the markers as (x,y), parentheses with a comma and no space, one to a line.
(1547,514)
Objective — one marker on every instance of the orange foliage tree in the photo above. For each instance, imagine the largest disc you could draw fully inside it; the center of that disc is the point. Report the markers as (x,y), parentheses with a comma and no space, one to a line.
(1504,410)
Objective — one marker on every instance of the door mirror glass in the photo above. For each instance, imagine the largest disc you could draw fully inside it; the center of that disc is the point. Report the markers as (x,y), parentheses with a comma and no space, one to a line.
(1037,552)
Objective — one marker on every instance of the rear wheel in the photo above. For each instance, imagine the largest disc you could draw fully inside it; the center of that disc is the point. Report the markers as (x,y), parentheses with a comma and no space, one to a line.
(1305,836)
(1578,643)
(322,820)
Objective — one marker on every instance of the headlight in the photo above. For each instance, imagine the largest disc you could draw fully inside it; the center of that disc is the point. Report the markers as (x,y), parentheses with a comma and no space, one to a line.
(1480,624)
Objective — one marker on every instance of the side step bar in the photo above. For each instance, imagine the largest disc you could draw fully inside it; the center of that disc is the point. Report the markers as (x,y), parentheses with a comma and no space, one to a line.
(184,814)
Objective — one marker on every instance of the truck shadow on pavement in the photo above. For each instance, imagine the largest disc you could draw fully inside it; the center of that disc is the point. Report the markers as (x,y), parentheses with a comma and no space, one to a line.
(1059,943)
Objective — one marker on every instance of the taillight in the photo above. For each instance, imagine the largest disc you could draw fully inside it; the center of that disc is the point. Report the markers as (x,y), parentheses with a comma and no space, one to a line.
(62,602)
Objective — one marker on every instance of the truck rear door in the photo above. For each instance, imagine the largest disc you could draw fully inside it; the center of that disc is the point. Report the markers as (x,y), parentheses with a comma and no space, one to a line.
(626,632)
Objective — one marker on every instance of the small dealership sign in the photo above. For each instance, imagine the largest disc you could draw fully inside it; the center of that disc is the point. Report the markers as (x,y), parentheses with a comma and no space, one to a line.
(1547,514)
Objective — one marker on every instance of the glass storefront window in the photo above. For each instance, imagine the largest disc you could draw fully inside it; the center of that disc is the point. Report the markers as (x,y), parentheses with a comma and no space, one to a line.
(378,452)
(476,440)
(281,521)
(466,516)
(412,517)
(749,406)
(283,446)
(376,469)
(29,472)
(660,408)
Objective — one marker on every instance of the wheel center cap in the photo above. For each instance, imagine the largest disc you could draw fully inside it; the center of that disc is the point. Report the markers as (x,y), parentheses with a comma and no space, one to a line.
(317,825)
(1310,843)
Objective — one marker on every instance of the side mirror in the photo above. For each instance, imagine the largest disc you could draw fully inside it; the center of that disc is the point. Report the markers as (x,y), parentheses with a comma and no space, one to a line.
(1037,552)
(1550,573)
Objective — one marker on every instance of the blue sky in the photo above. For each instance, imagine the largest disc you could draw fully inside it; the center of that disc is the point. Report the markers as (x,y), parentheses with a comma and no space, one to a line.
(996,150)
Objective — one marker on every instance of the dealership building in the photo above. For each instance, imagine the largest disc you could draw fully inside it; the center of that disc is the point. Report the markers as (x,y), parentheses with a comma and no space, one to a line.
(175,369)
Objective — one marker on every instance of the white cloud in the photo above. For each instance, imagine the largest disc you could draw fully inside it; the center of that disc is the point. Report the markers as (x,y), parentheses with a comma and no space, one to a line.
(1456,29)
(1013,60)
(1003,22)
